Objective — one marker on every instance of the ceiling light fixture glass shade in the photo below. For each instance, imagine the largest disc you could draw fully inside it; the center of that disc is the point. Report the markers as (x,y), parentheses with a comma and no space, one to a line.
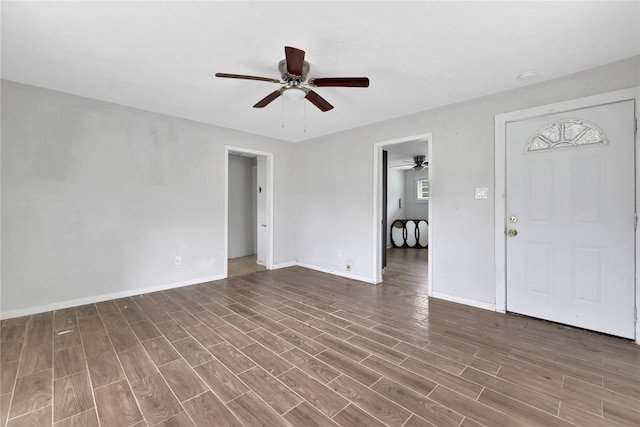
(294,93)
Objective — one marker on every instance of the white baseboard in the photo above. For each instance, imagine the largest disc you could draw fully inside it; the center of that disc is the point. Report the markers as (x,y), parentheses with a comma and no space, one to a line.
(105,297)
(128,293)
(284,265)
(465,301)
(337,273)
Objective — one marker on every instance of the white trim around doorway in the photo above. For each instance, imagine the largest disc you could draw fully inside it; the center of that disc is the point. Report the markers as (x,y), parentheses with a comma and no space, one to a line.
(501,121)
(269,163)
(377,205)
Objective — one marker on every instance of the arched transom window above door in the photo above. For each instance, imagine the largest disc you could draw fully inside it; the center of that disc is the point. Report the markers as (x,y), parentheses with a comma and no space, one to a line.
(566,133)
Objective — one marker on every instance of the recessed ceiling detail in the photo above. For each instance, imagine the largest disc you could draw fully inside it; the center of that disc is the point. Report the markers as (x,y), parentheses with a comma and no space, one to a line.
(529,75)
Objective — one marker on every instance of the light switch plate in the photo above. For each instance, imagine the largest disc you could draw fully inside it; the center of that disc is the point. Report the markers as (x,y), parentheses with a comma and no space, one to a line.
(482,192)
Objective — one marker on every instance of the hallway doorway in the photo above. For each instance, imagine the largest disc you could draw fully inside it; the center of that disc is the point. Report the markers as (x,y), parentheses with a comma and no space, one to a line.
(249,211)
(397,198)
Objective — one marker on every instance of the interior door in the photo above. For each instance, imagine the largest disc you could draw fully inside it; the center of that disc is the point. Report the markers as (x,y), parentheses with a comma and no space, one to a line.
(571,218)
(385,192)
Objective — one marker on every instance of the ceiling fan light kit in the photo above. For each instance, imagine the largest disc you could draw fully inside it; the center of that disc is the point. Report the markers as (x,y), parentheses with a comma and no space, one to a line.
(294,93)
(294,70)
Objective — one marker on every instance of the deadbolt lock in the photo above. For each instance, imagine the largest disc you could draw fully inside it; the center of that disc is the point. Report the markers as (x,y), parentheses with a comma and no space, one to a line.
(512,232)
(513,218)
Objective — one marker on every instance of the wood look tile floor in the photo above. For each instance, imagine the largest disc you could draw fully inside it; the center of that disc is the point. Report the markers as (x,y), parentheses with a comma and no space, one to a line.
(303,348)
(243,265)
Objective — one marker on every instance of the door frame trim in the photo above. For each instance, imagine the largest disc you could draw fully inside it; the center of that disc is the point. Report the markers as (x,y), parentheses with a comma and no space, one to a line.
(269,172)
(377,205)
(500,165)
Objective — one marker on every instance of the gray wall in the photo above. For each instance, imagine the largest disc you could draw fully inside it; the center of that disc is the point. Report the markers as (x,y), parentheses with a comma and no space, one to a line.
(415,210)
(462,228)
(242,206)
(98,199)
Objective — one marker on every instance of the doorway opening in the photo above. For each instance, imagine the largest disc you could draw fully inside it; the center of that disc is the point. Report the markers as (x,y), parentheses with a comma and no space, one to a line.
(249,211)
(396,181)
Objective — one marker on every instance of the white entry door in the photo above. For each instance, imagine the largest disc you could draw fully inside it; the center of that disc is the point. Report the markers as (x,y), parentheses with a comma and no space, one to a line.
(570,218)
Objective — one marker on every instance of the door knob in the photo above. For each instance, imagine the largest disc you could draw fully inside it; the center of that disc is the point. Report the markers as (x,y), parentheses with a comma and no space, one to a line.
(512,232)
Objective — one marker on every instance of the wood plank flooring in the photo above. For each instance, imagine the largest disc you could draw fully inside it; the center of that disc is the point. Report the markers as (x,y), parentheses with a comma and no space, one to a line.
(243,265)
(303,348)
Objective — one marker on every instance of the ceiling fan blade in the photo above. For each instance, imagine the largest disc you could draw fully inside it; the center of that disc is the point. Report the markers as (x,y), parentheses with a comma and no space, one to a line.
(340,82)
(294,59)
(318,101)
(242,76)
(268,99)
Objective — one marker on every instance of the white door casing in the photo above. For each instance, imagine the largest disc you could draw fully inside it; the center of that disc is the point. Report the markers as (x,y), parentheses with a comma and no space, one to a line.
(573,208)
(268,167)
(378,147)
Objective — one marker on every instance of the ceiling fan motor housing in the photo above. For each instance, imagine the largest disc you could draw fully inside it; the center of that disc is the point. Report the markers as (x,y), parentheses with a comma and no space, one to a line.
(282,67)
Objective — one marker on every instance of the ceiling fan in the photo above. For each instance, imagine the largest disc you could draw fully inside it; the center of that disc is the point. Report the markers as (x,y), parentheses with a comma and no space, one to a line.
(419,163)
(294,70)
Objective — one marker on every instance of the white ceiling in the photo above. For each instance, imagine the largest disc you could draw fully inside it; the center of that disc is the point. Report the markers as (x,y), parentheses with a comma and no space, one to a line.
(401,156)
(162,56)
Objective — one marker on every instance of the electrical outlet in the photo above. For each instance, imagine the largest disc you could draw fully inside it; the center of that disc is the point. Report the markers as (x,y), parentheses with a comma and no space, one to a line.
(178,260)
(339,253)
(348,267)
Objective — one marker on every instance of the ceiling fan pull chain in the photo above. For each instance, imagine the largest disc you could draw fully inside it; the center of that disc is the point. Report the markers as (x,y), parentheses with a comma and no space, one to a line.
(282,103)
(304,106)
